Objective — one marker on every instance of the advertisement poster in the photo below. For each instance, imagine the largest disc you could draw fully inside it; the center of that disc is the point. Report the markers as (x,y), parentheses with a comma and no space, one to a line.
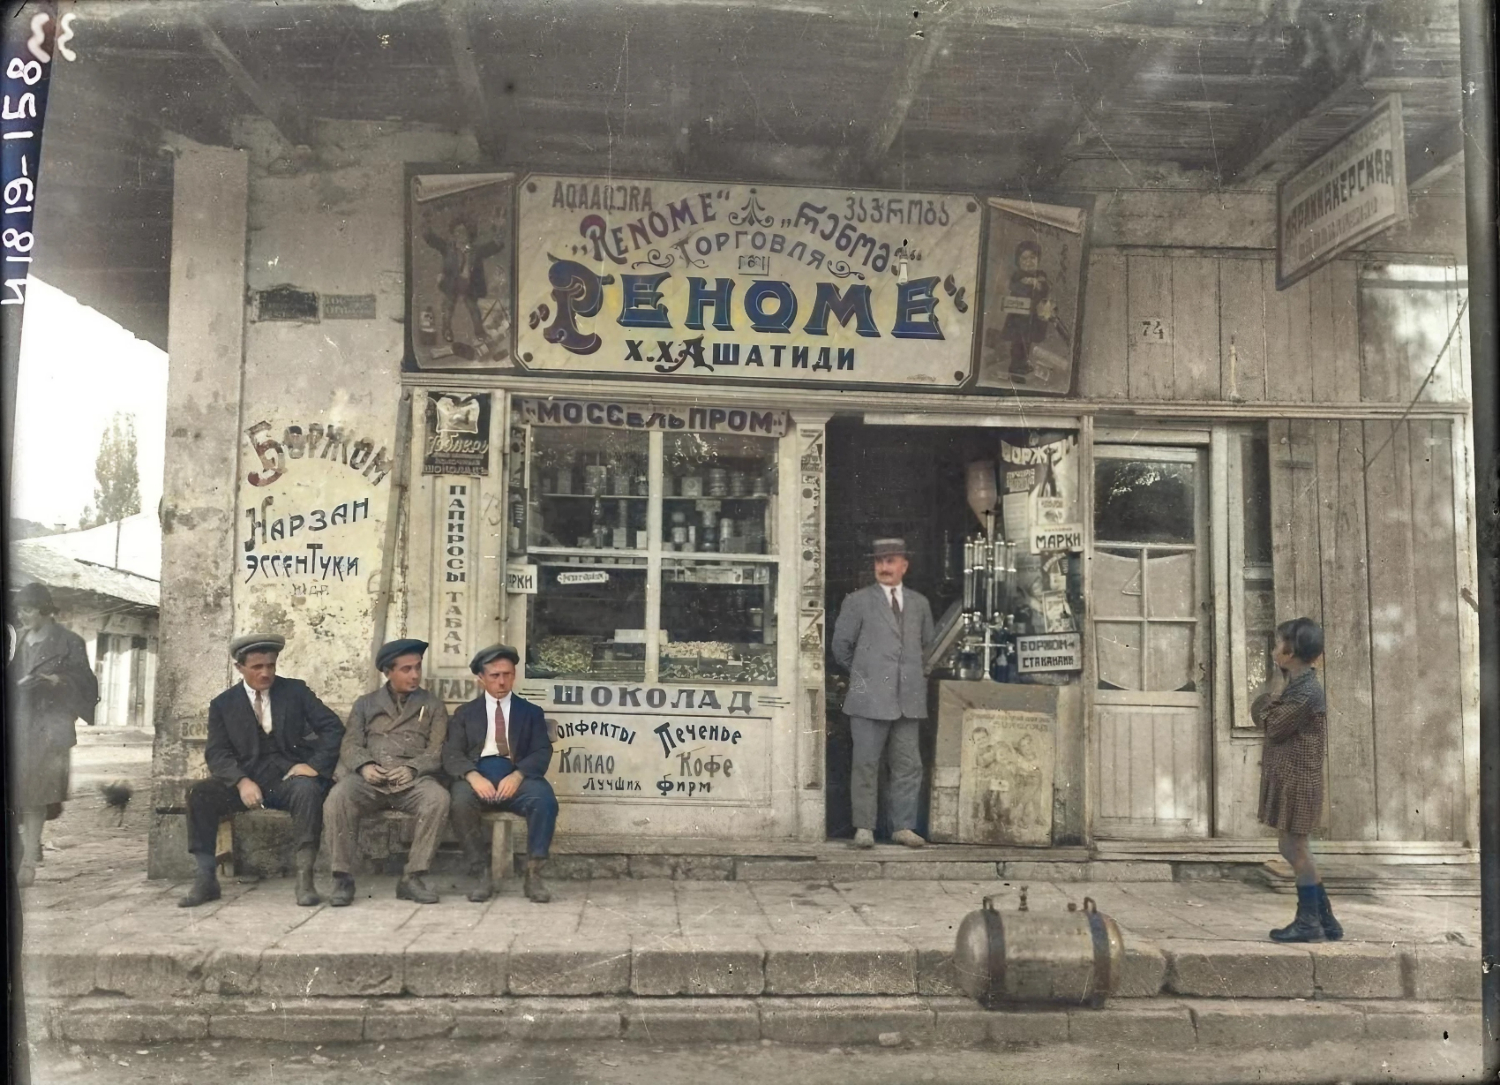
(683,280)
(458,434)
(458,271)
(1033,296)
(1005,778)
(1039,498)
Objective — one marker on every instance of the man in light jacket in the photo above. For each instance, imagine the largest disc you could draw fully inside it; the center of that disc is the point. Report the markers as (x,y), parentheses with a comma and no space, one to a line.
(392,751)
(881,637)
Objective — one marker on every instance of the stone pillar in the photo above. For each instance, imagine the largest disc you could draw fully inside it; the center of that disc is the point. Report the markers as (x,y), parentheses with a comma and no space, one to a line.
(811,626)
(205,344)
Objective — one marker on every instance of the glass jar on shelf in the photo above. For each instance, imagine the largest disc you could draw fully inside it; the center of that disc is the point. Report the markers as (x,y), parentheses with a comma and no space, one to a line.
(723,483)
(582,481)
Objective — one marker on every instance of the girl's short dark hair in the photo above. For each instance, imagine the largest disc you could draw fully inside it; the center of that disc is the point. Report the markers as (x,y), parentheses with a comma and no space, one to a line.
(1303,637)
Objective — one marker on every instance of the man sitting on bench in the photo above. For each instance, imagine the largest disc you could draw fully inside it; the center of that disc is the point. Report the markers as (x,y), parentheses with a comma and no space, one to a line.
(271,743)
(497,752)
(393,745)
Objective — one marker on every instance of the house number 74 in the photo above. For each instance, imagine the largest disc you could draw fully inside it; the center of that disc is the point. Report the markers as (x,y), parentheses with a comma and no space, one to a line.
(1156,330)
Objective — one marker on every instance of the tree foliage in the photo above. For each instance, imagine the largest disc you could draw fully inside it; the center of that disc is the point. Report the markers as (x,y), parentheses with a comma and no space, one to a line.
(117,482)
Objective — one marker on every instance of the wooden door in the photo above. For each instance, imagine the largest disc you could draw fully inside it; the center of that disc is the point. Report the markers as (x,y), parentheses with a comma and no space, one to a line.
(1151,636)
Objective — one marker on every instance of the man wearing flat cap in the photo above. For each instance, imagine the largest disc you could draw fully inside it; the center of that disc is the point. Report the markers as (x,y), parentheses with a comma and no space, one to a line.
(273,744)
(393,746)
(497,753)
(882,636)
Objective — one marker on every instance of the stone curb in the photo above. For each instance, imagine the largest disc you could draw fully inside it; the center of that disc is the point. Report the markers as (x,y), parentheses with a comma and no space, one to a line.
(442,964)
(908,1020)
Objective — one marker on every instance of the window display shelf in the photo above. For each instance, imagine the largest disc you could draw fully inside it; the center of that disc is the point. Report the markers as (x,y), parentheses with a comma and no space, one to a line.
(581,552)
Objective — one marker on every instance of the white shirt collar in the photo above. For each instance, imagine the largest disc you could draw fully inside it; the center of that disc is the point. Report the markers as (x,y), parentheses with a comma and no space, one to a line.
(490,702)
(251,693)
(888,590)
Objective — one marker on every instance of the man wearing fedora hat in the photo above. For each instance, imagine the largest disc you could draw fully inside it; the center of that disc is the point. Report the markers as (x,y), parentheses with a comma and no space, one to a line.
(56,687)
(393,748)
(881,638)
(273,744)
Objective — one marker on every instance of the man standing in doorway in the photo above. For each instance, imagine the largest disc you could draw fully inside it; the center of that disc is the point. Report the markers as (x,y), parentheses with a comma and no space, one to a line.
(393,746)
(882,636)
(497,752)
(272,744)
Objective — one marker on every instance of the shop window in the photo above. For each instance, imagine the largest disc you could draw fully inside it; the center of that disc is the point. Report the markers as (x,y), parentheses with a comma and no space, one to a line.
(1252,586)
(656,556)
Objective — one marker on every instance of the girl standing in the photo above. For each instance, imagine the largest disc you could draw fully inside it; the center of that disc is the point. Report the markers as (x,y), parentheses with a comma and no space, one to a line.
(1295,722)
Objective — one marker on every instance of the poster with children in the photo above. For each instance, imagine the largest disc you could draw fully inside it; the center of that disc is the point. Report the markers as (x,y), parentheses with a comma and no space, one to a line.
(458,280)
(1033,297)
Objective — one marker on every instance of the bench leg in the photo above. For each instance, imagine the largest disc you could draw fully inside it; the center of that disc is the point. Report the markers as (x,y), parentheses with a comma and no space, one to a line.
(502,853)
(224,847)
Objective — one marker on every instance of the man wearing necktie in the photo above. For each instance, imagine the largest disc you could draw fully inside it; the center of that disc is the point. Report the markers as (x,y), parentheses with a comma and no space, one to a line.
(881,637)
(271,743)
(393,747)
(497,753)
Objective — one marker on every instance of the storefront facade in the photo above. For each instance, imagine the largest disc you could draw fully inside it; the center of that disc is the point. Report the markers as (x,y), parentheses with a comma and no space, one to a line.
(605,479)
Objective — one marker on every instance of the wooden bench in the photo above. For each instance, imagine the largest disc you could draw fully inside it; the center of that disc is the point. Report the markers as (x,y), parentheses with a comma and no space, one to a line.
(502,837)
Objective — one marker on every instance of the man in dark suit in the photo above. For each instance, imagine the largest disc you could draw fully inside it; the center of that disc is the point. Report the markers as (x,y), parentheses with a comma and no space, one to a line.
(497,752)
(882,636)
(271,743)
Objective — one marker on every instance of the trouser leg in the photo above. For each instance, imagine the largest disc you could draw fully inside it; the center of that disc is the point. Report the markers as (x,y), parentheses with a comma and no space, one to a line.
(906,773)
(428,802)
(864,774)
(535,802)
(302,797)
(350,799)
(464,809)
(209,802)
(32,820)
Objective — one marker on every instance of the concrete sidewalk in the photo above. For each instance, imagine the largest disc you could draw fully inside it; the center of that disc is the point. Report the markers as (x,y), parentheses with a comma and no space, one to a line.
(109,955)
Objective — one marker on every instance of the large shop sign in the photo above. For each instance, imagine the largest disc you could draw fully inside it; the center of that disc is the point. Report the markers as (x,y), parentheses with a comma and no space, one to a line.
(1350,193)
(681,280)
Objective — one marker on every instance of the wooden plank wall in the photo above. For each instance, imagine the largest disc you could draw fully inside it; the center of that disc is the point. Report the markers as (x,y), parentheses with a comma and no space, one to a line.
(1364,541)
(1231,336)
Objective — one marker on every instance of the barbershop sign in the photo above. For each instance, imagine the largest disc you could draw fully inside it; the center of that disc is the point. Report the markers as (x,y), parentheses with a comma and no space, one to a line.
(731,282)
(1353,191)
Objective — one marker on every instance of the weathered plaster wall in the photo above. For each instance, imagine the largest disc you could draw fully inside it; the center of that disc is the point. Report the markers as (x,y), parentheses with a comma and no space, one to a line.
(318,429)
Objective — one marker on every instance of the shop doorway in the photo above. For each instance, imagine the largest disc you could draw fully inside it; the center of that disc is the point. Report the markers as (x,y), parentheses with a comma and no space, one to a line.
(883,481)
(1151,715)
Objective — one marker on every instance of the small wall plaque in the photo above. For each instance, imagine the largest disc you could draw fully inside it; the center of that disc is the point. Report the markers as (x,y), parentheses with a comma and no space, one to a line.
(348,306)
(286,303)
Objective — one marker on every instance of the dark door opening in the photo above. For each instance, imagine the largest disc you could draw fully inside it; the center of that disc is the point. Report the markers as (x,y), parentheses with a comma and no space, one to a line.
(892,481)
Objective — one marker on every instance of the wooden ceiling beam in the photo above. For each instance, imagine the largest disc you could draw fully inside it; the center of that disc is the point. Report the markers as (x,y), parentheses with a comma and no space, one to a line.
(923,46)
(1098,91)
(1431,159)
(455,17)
(277,108)
(1279,132)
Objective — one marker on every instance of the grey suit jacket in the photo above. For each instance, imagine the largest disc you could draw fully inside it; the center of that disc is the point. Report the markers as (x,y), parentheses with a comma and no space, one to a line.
(884,662)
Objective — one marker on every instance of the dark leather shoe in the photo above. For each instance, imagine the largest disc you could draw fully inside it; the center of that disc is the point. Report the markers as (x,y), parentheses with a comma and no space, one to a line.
(1306,927)
(343,890)
(1333,930)
(414,888)
(483,887)
(203,891)
(536,889)
(307,891)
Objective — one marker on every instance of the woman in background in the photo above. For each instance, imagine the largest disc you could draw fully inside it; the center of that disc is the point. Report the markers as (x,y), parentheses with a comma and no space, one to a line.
(1295,722)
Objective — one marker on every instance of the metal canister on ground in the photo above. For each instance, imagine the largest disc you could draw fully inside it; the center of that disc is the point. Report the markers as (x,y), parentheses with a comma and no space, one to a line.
(1029,958)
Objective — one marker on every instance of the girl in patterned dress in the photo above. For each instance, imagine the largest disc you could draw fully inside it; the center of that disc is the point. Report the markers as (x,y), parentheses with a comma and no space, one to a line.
(1295,722)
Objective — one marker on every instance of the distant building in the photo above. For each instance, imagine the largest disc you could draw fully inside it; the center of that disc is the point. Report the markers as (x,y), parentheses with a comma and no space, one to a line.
(106,582)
